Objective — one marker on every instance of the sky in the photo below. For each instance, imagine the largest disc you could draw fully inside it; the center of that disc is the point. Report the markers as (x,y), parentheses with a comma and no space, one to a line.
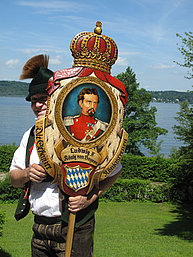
(144,31)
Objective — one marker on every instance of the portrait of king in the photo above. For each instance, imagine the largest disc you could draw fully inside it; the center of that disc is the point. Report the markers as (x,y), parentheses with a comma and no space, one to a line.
(91,112)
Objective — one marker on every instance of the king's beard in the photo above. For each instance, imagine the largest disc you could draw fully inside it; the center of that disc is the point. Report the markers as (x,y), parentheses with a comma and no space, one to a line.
(91,112)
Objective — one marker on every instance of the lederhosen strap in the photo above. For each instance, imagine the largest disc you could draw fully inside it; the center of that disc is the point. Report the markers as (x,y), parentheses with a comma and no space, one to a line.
(23,205)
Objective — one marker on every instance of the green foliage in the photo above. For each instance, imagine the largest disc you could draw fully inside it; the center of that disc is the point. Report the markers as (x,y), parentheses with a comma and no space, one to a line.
(184,132)
(129,189)
(182,186)
(13,88)
(171,96)
(183,183)
(2,221)
(139,119)
(7,192)
(183,173)
(184,129)
(1,218)
(186,50)
(142,178)
(6,155)
(153,168)
(137,173)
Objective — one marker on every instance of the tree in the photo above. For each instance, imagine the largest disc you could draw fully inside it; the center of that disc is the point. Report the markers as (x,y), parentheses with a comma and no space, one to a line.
(187,51)
(183,183)
(139,119)
(183,167)
(184,129)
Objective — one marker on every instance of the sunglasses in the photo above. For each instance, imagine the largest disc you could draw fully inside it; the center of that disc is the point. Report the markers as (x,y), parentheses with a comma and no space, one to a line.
(42,99)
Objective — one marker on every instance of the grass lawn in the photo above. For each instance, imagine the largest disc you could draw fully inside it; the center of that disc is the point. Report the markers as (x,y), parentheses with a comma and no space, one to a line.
(136,229)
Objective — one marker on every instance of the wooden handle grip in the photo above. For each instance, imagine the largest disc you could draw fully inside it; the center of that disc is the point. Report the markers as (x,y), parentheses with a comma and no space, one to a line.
(70,233)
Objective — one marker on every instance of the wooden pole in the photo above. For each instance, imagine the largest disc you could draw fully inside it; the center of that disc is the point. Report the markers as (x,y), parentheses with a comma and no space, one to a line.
(70,233)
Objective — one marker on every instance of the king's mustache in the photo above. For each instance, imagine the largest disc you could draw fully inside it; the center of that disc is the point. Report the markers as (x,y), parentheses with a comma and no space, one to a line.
(91,112)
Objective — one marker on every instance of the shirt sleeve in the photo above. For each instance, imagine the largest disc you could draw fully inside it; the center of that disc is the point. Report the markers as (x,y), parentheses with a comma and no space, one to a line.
(118,168)
(18,161)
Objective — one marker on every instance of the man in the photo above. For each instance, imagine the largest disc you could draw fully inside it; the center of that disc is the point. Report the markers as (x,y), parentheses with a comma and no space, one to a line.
(49,227)
(85,126)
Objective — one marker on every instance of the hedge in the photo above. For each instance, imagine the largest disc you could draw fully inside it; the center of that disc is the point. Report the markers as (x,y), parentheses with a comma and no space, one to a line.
(7,192)
(134,166)
(121,190)
(6,155)
(137,189)
(156,169)
(142,178)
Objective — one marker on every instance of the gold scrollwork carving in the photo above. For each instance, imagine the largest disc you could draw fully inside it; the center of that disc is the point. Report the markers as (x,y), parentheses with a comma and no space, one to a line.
(41,147)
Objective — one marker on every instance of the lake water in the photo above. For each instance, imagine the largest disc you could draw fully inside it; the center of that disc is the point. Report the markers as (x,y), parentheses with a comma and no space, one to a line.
(16,117)
(165,119)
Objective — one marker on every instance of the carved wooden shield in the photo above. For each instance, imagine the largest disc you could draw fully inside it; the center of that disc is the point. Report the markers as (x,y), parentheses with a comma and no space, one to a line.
(81,140)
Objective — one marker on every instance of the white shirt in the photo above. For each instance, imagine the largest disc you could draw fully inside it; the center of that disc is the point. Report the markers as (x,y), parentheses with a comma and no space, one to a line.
(43,198)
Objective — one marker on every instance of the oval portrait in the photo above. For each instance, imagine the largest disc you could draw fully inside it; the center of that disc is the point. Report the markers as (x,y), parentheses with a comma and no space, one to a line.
(86,111)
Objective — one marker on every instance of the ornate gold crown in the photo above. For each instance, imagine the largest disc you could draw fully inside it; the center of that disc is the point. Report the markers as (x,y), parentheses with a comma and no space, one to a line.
(94,50)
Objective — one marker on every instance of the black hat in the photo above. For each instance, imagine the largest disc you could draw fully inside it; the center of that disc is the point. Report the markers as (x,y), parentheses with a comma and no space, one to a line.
(39,83)
(37,68)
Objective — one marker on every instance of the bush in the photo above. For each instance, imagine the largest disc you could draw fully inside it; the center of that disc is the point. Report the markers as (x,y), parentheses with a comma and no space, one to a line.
(156,169)
(129,189)
(7,192)
(182,186)
(6,155)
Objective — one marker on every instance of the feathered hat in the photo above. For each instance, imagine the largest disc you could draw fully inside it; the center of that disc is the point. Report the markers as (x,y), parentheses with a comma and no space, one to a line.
(37,68)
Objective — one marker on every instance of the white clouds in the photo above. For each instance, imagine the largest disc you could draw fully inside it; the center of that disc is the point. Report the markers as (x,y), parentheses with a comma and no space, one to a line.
(163,66)
(122,61)
(55,61)
(39,50)
(12,63)
(30,51)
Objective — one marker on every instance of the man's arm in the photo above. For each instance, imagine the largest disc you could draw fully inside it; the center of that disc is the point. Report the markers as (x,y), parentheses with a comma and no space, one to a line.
(19,177)
(78,203)
(19,174)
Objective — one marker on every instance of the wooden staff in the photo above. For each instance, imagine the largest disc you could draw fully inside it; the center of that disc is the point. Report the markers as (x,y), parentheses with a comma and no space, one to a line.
(70,233)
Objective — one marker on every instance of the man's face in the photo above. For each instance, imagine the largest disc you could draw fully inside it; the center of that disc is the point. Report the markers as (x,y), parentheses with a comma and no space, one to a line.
(89,104)
(39,105)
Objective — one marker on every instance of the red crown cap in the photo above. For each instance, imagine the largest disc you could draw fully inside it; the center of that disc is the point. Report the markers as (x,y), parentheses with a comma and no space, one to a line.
(94,50)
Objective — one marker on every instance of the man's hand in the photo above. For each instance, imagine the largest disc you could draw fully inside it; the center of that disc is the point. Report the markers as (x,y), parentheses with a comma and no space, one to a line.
(81,202)
(78,203)
(36,173)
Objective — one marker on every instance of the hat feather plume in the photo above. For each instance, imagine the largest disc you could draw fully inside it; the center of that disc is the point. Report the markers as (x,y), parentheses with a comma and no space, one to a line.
(32,66)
